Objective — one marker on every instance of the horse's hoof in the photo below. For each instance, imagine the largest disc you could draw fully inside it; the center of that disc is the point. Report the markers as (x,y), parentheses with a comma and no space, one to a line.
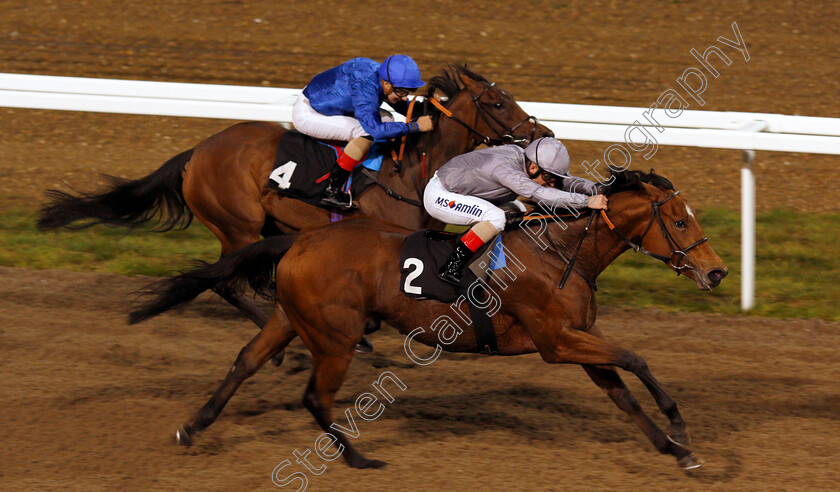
(364,346)
(182,436)
(690,462)
(278,359)
(680,438)
(376,464)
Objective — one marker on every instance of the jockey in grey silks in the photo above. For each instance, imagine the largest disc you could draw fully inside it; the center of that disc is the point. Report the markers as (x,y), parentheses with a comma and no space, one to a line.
(466,190)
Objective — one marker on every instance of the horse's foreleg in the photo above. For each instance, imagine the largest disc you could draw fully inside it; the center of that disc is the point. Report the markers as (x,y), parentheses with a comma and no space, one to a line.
(678,431)
(328,373)
(571,346)
(609,381)
(271,340)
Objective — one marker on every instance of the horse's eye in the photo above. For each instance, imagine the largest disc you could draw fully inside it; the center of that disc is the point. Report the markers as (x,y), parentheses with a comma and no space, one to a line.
(498,105)
(680,224)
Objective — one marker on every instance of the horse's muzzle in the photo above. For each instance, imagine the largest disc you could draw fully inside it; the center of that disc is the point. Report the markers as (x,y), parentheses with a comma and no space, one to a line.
(711,279)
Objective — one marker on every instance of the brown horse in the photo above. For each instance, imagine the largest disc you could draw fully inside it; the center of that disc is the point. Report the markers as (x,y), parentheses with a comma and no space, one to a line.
(326,308)
(224,179)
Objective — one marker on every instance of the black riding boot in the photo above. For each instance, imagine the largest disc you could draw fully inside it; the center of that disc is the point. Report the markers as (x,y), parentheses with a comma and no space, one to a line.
(453,271)
(333,196)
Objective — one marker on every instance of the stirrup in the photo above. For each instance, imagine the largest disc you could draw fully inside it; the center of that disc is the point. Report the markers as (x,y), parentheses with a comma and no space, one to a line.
(335,198)
(450,278)
(333,202)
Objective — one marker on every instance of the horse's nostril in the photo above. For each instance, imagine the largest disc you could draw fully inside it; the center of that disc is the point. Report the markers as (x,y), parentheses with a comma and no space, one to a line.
(717,275)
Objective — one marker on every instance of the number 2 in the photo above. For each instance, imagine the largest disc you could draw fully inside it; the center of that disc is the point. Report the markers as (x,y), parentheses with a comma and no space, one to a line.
(413,262)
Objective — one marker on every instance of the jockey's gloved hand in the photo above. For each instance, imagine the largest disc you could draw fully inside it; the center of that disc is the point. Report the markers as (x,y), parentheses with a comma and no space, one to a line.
(513,218)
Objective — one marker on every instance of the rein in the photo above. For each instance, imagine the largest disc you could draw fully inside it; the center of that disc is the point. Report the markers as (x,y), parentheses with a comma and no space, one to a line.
(388,191)
(674,260)
(570,262)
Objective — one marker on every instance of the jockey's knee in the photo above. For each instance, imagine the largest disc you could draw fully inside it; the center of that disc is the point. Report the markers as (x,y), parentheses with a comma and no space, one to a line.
(496,217)
(358,147)
(485,230)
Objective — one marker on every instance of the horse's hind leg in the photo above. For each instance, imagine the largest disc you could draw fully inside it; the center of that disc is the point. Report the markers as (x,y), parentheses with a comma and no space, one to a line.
(270,341)
(235,218)
(236,300)
(328,373)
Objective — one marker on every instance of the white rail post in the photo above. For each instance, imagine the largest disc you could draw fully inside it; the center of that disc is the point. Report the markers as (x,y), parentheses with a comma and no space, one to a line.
(747,232)
(748,220)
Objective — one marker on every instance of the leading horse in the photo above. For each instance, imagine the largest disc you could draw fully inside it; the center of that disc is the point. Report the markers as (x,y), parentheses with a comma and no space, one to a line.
(223,180)
(326,308)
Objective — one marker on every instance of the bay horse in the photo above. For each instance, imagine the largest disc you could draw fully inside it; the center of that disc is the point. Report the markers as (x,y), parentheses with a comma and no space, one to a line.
(223,181)
(326,308)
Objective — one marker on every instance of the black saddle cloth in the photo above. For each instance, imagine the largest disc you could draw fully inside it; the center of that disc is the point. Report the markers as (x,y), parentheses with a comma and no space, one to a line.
(302,166)
(423,254)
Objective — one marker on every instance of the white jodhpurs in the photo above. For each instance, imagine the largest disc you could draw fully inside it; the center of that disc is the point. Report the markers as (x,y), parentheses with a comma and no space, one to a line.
(454,208)
(307,120)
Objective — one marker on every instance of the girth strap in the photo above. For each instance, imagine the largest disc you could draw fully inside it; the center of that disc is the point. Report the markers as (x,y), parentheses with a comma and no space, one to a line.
(485,334)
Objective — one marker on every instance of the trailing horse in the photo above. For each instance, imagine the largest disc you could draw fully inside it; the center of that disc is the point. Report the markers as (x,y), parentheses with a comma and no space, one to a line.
(223,180)
(326,308)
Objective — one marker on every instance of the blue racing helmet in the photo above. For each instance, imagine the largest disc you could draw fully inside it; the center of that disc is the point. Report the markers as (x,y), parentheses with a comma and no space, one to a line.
(401,71)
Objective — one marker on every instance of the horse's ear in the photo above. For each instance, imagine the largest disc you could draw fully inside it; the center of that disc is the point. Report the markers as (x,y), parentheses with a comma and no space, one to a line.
(466,80)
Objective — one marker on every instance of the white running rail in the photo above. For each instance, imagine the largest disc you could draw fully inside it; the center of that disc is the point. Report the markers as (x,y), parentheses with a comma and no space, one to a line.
(748,132)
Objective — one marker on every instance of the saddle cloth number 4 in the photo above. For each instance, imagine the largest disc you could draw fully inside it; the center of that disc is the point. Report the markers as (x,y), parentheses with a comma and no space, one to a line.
(283,175)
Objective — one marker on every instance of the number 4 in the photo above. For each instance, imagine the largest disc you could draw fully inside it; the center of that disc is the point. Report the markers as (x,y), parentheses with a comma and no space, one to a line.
(283,175)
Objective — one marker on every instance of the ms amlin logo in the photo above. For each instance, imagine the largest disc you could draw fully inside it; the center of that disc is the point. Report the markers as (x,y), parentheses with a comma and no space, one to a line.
(459,207)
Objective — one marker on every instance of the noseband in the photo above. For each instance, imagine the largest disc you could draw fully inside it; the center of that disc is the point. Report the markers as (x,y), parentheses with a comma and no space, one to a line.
(678,254)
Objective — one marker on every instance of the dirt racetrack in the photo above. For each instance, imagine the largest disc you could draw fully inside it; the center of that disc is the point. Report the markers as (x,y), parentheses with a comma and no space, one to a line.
(89,403)
(92,404)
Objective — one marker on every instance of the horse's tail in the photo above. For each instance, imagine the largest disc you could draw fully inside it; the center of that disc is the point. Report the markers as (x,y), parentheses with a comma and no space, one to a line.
(128,203)
(253,264)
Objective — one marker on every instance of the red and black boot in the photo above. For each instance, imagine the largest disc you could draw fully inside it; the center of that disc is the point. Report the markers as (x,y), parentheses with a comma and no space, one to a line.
(334,196)
(453,271)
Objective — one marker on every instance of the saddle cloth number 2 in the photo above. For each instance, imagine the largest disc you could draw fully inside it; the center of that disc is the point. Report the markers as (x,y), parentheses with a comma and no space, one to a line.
(283,175)
(418,269)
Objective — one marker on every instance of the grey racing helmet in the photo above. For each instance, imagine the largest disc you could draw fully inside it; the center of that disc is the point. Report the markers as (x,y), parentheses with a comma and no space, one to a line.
(550,155)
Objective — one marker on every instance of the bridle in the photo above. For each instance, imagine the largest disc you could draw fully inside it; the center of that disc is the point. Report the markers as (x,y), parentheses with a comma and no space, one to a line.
(674,260)
(678,255)
(503,136)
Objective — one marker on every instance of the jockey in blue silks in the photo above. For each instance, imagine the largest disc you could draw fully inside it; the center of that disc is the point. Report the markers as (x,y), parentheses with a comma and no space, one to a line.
(344,102)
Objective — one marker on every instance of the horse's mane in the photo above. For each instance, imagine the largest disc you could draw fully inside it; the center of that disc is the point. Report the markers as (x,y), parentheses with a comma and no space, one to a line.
(633,180)
(449,81)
